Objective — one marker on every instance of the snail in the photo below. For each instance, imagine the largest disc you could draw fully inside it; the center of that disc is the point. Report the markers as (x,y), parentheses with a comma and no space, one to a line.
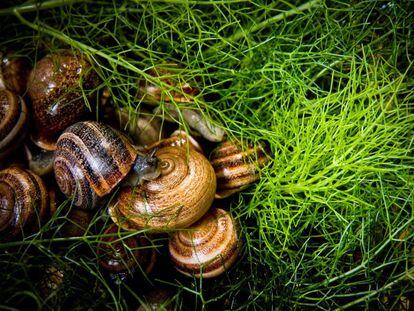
(24,202)
(125,255)
(180,196)
(52,279)
(180,91)
(14,71)
(236,168)
(13,122)
(143,128)
(55,88)
(77,223)
(207,248)
(177,138)
(91,159)
(159,298)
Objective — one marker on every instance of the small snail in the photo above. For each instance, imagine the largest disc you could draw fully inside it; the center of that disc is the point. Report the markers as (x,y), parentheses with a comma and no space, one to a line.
(77,222)
(158,298)
(13,119)
(14,72)
(51,280)
(124,255)
(180,91)
(181,195)
(143,128)
(207,248)
(24,202)
(55,87)
(90,160)
(236,168)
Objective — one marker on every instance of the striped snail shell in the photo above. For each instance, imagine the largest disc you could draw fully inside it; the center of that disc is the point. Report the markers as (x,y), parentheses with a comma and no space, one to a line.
(122,255)
(55,87)
(177,138)
(24,202)
(180,196)
(171,74)
(13,122)
(207,248)
(14,71)
(236,168)
(90,160)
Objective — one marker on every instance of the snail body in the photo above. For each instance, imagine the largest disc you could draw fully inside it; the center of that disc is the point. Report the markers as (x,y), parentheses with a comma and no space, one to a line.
(180,196)
(55,89)
(24,202)
(208,248)
(124,255)
(90,160)
(13,122)
(236,168)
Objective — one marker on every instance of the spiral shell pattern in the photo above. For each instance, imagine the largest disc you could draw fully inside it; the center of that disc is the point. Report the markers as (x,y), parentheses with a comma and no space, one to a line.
(90,160)
(118,255)
(55,87)
(13,122)
(236,168)
(207,248)
(181,195)
(24,202)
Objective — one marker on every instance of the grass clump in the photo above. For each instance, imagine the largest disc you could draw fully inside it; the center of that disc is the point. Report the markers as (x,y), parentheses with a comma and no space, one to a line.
(327,85)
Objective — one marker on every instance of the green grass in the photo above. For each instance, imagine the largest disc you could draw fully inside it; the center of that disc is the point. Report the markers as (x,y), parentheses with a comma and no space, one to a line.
(328,86)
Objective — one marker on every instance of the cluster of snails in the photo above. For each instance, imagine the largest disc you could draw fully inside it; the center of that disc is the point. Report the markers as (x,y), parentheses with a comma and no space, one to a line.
(165,184)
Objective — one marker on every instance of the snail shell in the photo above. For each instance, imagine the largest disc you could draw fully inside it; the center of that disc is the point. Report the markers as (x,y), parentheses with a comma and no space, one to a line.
(172,75)
(24,202)
(236,168)
(90,160)
(181,195)
(13,122)
(77,223)
(158,298)
(14,72)
(55,88)
(117,255)
(52,280)
(207,248)
(177,138)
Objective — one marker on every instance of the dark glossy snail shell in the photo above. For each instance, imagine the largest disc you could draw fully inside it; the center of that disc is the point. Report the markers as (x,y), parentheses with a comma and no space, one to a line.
(118,254)
(235,167)
(181,195)
(56,86)
(90,160)
(24,202)
(13,122)
(14,71)
(159,298)
(77,222)
(177,138)
(207,248)
(172,75)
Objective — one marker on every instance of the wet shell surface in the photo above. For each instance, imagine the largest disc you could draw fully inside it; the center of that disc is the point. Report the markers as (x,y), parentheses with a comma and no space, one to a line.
(236,168)
(24,202)
(207,248)
(14,72)
(118,254)
(13,122)
(90,160)
(55,89)
(181,195)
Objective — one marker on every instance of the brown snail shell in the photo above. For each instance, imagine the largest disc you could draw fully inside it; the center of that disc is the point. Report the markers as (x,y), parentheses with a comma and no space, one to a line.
(118,255)
(158,298)
(152,94)
(177,138)
(236,168)
(90,160)
(52,280)
(77,223)
(142,128)
(14,72)
(13,122)
(55,88)
(207,248)
(24,202)
(181,195)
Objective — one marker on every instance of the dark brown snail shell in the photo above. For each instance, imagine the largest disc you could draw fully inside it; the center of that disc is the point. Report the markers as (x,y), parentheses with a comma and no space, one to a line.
(181,195)
(236,168)
(90,160)
(77,222)
(52,279)
(24,202)
(14,71)
(207,248)
(118,254)
(13,122)
(158,298)
(55,87)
